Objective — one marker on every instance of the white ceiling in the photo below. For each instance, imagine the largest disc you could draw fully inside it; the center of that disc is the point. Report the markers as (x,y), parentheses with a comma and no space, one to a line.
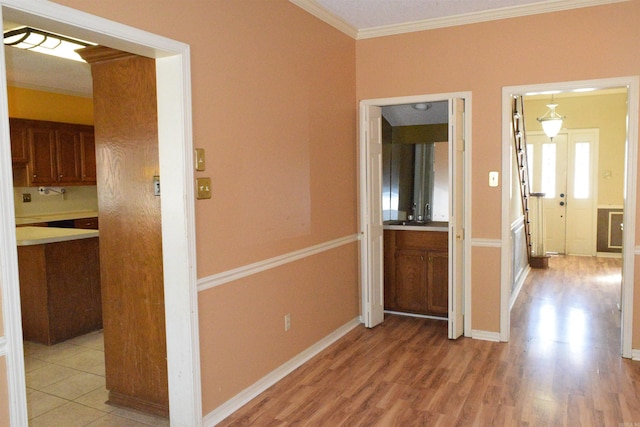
(407,115)
(33,70)
(364,14)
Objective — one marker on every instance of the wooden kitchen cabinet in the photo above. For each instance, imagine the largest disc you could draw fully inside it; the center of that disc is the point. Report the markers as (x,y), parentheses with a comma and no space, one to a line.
(52,153)
(86,223)
(19,145)
(60,290)
(416,272)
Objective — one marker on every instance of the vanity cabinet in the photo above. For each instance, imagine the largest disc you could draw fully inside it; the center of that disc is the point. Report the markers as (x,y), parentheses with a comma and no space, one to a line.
(416,272)
(51,153)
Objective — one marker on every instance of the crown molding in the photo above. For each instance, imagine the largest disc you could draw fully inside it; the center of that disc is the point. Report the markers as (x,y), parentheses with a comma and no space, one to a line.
(550,6)
(323,14)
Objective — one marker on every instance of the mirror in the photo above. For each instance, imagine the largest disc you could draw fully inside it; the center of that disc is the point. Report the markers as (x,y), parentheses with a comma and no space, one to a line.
(415,171)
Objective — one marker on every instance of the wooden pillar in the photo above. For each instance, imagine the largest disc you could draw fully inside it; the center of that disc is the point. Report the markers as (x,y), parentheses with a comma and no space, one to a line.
(126,133)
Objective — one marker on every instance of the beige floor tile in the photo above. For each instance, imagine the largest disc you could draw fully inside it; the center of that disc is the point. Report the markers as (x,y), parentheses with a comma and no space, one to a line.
(75,386)
(111,420)
(31,364)
(93,340)
(96,399)
(55,353)
(141,417)
(38,402)
(47,375)
(88,360)
(69,415)
(32,347)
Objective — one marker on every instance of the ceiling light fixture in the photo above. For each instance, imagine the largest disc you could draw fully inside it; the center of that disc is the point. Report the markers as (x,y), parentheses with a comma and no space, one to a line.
(43,42)
(551,121)
(422,106)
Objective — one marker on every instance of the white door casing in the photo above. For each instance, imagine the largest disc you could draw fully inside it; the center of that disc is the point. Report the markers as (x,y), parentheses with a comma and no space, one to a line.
(461,264)
(178,219)
(632,83)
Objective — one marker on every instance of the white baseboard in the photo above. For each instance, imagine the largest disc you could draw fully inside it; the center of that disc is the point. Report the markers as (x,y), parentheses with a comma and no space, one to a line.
(485,335)
(242,398)
(518,288)
(635,355)
(608,255)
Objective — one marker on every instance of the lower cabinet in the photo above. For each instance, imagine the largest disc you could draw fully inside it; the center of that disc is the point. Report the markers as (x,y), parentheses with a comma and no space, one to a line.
(60,290)
(416,276)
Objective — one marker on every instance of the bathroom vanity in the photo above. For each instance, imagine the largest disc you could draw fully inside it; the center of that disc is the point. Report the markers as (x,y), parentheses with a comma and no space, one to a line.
(416,266)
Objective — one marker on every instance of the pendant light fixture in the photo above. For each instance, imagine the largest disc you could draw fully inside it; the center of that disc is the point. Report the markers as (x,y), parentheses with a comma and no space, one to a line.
(551,121)
(43,42)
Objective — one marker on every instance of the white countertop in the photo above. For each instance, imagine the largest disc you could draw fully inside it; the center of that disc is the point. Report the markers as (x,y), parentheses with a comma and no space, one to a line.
(431,226)
(27,236)
(33,219)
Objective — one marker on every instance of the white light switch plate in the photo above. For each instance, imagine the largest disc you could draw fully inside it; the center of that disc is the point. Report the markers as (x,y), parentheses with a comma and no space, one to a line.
(494,177)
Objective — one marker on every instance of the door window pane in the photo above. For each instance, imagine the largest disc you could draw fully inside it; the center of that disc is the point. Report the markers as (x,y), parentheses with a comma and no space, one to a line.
(581,177)
(549,170)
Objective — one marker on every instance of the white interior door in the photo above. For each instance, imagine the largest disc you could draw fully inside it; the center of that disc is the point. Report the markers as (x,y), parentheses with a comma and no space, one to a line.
(456,220)
(373,245)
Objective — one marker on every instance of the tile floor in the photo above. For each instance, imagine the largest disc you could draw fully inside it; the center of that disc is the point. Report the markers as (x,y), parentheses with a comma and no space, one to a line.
(66,386)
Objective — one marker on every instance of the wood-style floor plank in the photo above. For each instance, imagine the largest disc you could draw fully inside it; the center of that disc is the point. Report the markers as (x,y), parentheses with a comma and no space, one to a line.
(562,366)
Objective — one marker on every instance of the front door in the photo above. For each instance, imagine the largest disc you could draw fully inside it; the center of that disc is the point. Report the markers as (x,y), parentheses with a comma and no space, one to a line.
(564,168)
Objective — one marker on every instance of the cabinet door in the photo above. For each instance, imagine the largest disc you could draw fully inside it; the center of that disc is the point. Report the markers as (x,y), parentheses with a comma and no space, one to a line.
(42,168)
(438,283)
(19,143)
(87,157)
(411,280)
(67,156)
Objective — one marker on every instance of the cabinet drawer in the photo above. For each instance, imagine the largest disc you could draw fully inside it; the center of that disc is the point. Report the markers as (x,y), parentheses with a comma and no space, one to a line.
(437,240)
(86,223)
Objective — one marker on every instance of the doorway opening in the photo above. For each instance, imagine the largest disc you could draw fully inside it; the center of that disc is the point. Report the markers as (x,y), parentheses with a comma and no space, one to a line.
(378,212)
(585,174)
(177,211)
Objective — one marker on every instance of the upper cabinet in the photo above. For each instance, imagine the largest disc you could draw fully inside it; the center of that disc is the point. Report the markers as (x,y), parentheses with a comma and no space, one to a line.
(51,153)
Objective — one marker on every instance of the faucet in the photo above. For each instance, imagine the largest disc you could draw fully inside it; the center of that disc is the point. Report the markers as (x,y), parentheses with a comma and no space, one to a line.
(413,212)
(427,212)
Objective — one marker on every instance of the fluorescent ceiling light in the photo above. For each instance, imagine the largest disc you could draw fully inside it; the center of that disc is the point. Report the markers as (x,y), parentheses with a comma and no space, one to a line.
(43,42)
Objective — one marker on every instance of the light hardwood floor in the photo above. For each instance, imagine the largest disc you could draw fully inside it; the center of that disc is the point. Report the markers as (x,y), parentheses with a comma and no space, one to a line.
(561,368)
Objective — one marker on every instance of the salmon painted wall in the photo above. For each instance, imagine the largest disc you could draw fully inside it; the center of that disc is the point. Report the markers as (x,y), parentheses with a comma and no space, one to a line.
(580,44)
(4,394)
(274,108)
